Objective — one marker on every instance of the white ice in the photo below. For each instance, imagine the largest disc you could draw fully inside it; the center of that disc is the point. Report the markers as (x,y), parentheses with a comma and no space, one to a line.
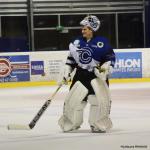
(130,114)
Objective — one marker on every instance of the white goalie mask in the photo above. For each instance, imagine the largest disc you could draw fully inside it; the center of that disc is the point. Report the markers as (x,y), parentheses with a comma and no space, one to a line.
(91,21)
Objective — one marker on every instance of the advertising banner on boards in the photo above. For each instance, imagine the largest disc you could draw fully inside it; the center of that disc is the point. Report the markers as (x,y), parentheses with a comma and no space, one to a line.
(14,68)
(37,67)
(128,65)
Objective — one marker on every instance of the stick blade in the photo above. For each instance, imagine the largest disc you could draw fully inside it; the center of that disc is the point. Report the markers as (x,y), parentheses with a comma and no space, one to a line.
(18,127)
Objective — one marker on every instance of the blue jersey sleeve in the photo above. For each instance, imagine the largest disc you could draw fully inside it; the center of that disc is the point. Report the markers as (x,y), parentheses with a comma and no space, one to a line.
(109,53)
(110,56)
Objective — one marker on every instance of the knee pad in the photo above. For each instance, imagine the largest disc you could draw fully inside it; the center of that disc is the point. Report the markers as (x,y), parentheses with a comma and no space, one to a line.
(72,116)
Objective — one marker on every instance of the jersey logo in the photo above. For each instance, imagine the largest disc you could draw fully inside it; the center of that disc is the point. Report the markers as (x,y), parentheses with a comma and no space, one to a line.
(85,55)
(100,44)
(76,43)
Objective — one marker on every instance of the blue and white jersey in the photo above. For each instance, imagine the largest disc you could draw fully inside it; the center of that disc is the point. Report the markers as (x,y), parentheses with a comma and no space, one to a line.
(89,54)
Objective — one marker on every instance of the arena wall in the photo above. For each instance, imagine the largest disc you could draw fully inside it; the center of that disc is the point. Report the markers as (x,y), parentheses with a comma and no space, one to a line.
(46,65)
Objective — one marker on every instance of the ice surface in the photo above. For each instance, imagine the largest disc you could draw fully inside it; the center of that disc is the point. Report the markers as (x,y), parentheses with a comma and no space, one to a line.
(130,115)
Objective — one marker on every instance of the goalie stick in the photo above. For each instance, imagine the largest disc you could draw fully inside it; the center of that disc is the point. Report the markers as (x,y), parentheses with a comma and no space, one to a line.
(37,116)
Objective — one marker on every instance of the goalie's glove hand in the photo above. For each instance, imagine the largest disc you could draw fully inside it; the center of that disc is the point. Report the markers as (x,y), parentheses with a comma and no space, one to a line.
(64,75)
(103,71)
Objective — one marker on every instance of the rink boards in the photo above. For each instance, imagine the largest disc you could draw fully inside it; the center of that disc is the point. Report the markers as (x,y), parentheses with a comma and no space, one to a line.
(45,66)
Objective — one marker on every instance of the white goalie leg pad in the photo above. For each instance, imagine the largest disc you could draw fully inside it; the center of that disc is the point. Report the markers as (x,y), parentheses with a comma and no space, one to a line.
(100,106)
(72,116)
(94,108)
